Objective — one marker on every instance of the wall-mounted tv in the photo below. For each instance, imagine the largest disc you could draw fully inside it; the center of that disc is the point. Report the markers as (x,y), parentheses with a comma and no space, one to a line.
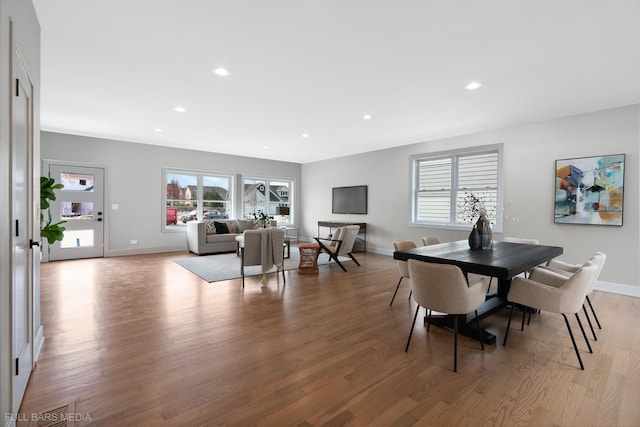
(349,200)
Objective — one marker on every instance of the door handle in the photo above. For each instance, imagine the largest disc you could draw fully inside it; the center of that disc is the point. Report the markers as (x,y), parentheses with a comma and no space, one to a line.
(33,243)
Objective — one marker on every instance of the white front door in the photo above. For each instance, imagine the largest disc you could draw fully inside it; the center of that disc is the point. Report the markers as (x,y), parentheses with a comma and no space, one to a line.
(21,141)
(81,204)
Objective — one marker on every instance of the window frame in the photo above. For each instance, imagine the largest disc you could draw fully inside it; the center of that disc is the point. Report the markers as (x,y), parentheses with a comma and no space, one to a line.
(200,175)
(267,181)
(455,155)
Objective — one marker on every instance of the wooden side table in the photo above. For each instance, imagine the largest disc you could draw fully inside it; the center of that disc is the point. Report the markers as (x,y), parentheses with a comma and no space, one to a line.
(308,258)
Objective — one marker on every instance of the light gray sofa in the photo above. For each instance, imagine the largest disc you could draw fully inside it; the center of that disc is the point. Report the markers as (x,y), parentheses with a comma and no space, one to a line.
(202,238)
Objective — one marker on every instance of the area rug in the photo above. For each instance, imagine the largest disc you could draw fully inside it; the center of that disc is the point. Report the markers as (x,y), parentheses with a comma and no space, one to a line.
(214,268)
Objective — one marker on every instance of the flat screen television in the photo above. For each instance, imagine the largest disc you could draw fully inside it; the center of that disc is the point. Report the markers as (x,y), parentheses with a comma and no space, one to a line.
(349,200)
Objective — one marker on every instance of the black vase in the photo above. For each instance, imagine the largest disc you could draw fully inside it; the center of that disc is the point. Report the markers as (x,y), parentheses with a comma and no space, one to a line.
(475,240)
(484,230)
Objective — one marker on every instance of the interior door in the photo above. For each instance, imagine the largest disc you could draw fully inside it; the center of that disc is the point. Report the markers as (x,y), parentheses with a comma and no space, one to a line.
(21,140)
(81,204)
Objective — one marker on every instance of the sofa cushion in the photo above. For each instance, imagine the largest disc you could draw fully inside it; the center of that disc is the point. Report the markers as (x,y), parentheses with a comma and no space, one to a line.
(210,227)
(221,238)
(221,227)
(232,225)
(245,224)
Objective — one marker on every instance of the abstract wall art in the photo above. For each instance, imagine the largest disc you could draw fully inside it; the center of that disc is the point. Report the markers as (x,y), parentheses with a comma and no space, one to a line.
(590,190)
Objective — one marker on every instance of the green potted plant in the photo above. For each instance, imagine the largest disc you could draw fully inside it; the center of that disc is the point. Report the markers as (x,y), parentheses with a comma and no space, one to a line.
(49,230)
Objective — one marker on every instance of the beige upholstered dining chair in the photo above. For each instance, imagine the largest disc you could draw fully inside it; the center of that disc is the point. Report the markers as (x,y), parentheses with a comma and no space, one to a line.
(262,247)
(553,292)
(520,240)
(403,268)
(567,269)
(443,288)
(430,240)
(340,244)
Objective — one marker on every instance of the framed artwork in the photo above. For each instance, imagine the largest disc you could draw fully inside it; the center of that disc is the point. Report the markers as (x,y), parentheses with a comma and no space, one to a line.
(590,190)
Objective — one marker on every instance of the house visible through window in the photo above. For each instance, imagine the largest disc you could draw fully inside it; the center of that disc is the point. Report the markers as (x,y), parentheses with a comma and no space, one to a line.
(191,196)
(273,197)
(443,181)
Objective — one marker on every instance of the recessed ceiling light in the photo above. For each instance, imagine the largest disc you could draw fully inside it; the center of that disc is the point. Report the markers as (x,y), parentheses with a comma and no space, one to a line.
(305,135)
(158,130)
(266,147)
(221,71)
(473,85)
(367,117)
(180,109)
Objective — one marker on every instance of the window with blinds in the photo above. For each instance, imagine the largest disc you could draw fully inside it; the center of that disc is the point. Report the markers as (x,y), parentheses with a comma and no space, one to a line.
(443,181)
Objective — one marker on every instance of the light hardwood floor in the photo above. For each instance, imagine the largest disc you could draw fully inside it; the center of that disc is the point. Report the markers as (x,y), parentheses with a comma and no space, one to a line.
(140,341)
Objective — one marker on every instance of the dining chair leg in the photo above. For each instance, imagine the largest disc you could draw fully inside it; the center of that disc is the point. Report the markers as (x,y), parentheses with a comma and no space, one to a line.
(595,316)
(533,310)
(411,331)
(524,314)
(455,343)
(428,320)
(506,333)
(479,330)
(586,314)
(584,333)
(575,347)
(396,291)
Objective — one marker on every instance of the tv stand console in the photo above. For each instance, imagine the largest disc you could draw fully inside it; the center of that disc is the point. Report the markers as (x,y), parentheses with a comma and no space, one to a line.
(361,240)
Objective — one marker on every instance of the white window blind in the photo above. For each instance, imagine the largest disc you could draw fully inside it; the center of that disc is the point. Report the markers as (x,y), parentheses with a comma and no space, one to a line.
(443,181)
(434,190)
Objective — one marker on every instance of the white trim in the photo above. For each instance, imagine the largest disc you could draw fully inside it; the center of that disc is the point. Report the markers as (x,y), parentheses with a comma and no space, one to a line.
(147,251)
(38,343)
(452,225)
(618,288)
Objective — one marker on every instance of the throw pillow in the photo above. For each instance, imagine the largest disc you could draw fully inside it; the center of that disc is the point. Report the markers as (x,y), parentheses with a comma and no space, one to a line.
(210,227)
(221,227)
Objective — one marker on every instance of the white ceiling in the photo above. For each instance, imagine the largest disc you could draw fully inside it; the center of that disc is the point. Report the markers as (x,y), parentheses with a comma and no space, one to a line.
(117,68)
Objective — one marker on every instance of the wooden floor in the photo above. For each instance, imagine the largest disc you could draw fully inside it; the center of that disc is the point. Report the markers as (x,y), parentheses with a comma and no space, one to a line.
(140,341)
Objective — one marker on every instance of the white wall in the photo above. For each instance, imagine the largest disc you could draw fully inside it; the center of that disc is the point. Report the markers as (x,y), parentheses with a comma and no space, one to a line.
(134,182)
(530,152)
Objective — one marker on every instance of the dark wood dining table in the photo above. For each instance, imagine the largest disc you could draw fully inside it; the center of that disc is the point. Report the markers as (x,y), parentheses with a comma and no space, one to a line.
(505,261)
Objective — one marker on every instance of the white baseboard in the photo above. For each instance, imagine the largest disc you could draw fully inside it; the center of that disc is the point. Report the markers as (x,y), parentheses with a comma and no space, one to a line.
(381,251)
(38,343)
(145,251)
(618,288)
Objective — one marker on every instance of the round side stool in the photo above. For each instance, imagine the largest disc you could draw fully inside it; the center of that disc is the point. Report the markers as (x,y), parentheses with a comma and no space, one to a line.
(308,258)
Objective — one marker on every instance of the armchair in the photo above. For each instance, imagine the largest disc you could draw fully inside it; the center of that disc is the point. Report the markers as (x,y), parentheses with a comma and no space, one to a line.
(567,269)
(430,240)
(443,288)
(262,247)
(554,293)
(340,244)
(403,268)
